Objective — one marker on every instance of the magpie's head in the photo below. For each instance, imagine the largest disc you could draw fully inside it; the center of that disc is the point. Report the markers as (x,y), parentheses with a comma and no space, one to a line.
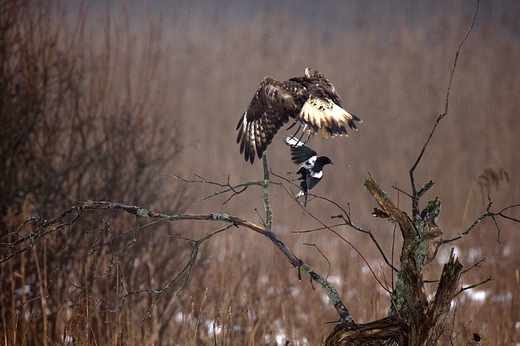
(322,161)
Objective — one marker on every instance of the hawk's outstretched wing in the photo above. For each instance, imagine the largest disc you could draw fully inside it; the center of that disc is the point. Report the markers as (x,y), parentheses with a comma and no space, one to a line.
(271,107)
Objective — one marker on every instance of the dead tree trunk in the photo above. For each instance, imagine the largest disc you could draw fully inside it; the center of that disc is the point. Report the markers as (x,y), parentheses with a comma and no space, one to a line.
(413,319)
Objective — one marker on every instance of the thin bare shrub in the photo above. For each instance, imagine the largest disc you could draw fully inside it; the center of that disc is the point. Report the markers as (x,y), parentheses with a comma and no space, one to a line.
(76,124)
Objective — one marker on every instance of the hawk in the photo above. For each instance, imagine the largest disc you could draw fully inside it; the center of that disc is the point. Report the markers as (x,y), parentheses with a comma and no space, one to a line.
(311,168)
(310,100)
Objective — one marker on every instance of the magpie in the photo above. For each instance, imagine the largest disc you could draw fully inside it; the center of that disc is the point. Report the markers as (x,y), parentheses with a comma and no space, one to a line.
(311,100)
(311,168)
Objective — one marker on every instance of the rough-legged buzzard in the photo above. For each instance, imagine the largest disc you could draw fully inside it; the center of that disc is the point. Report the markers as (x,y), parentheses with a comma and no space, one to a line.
(310,100)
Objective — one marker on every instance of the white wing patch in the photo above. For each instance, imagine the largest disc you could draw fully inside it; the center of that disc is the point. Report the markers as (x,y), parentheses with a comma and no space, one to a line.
(317,175)
(325,115)
(309,164)
(293,142)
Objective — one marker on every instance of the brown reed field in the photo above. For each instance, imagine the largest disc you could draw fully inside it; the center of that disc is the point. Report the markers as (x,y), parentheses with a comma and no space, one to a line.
(108,102)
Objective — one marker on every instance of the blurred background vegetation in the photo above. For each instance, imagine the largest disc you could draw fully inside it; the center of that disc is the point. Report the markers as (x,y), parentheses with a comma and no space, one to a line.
(102,102)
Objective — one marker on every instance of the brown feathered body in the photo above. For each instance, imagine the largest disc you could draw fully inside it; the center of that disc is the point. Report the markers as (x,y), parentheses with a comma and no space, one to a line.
(310,100)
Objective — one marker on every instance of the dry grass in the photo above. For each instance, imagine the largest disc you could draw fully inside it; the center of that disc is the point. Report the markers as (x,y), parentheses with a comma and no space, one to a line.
(99,106)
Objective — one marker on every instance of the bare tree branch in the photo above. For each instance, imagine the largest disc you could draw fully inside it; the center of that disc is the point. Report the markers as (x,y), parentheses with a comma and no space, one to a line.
(234,189)
(474,285)
(487,213)
(75,212)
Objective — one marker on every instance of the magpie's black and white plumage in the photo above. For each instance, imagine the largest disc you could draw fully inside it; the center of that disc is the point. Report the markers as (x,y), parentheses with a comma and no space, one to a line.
(311,168)
(310,100)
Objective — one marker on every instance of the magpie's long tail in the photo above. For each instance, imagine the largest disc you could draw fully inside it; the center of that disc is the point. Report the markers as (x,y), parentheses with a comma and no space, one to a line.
(297,130)
(292,125)
(302,131)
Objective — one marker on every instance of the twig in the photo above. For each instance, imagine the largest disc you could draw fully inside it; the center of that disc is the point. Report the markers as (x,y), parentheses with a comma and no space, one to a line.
(415,199)
(398,189)
(321,228)
(325,257)
(234,189)
(474,285)
(475,265)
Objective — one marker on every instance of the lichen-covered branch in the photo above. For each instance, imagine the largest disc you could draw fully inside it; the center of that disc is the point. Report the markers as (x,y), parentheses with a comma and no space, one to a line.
(409,295)
(265,194)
